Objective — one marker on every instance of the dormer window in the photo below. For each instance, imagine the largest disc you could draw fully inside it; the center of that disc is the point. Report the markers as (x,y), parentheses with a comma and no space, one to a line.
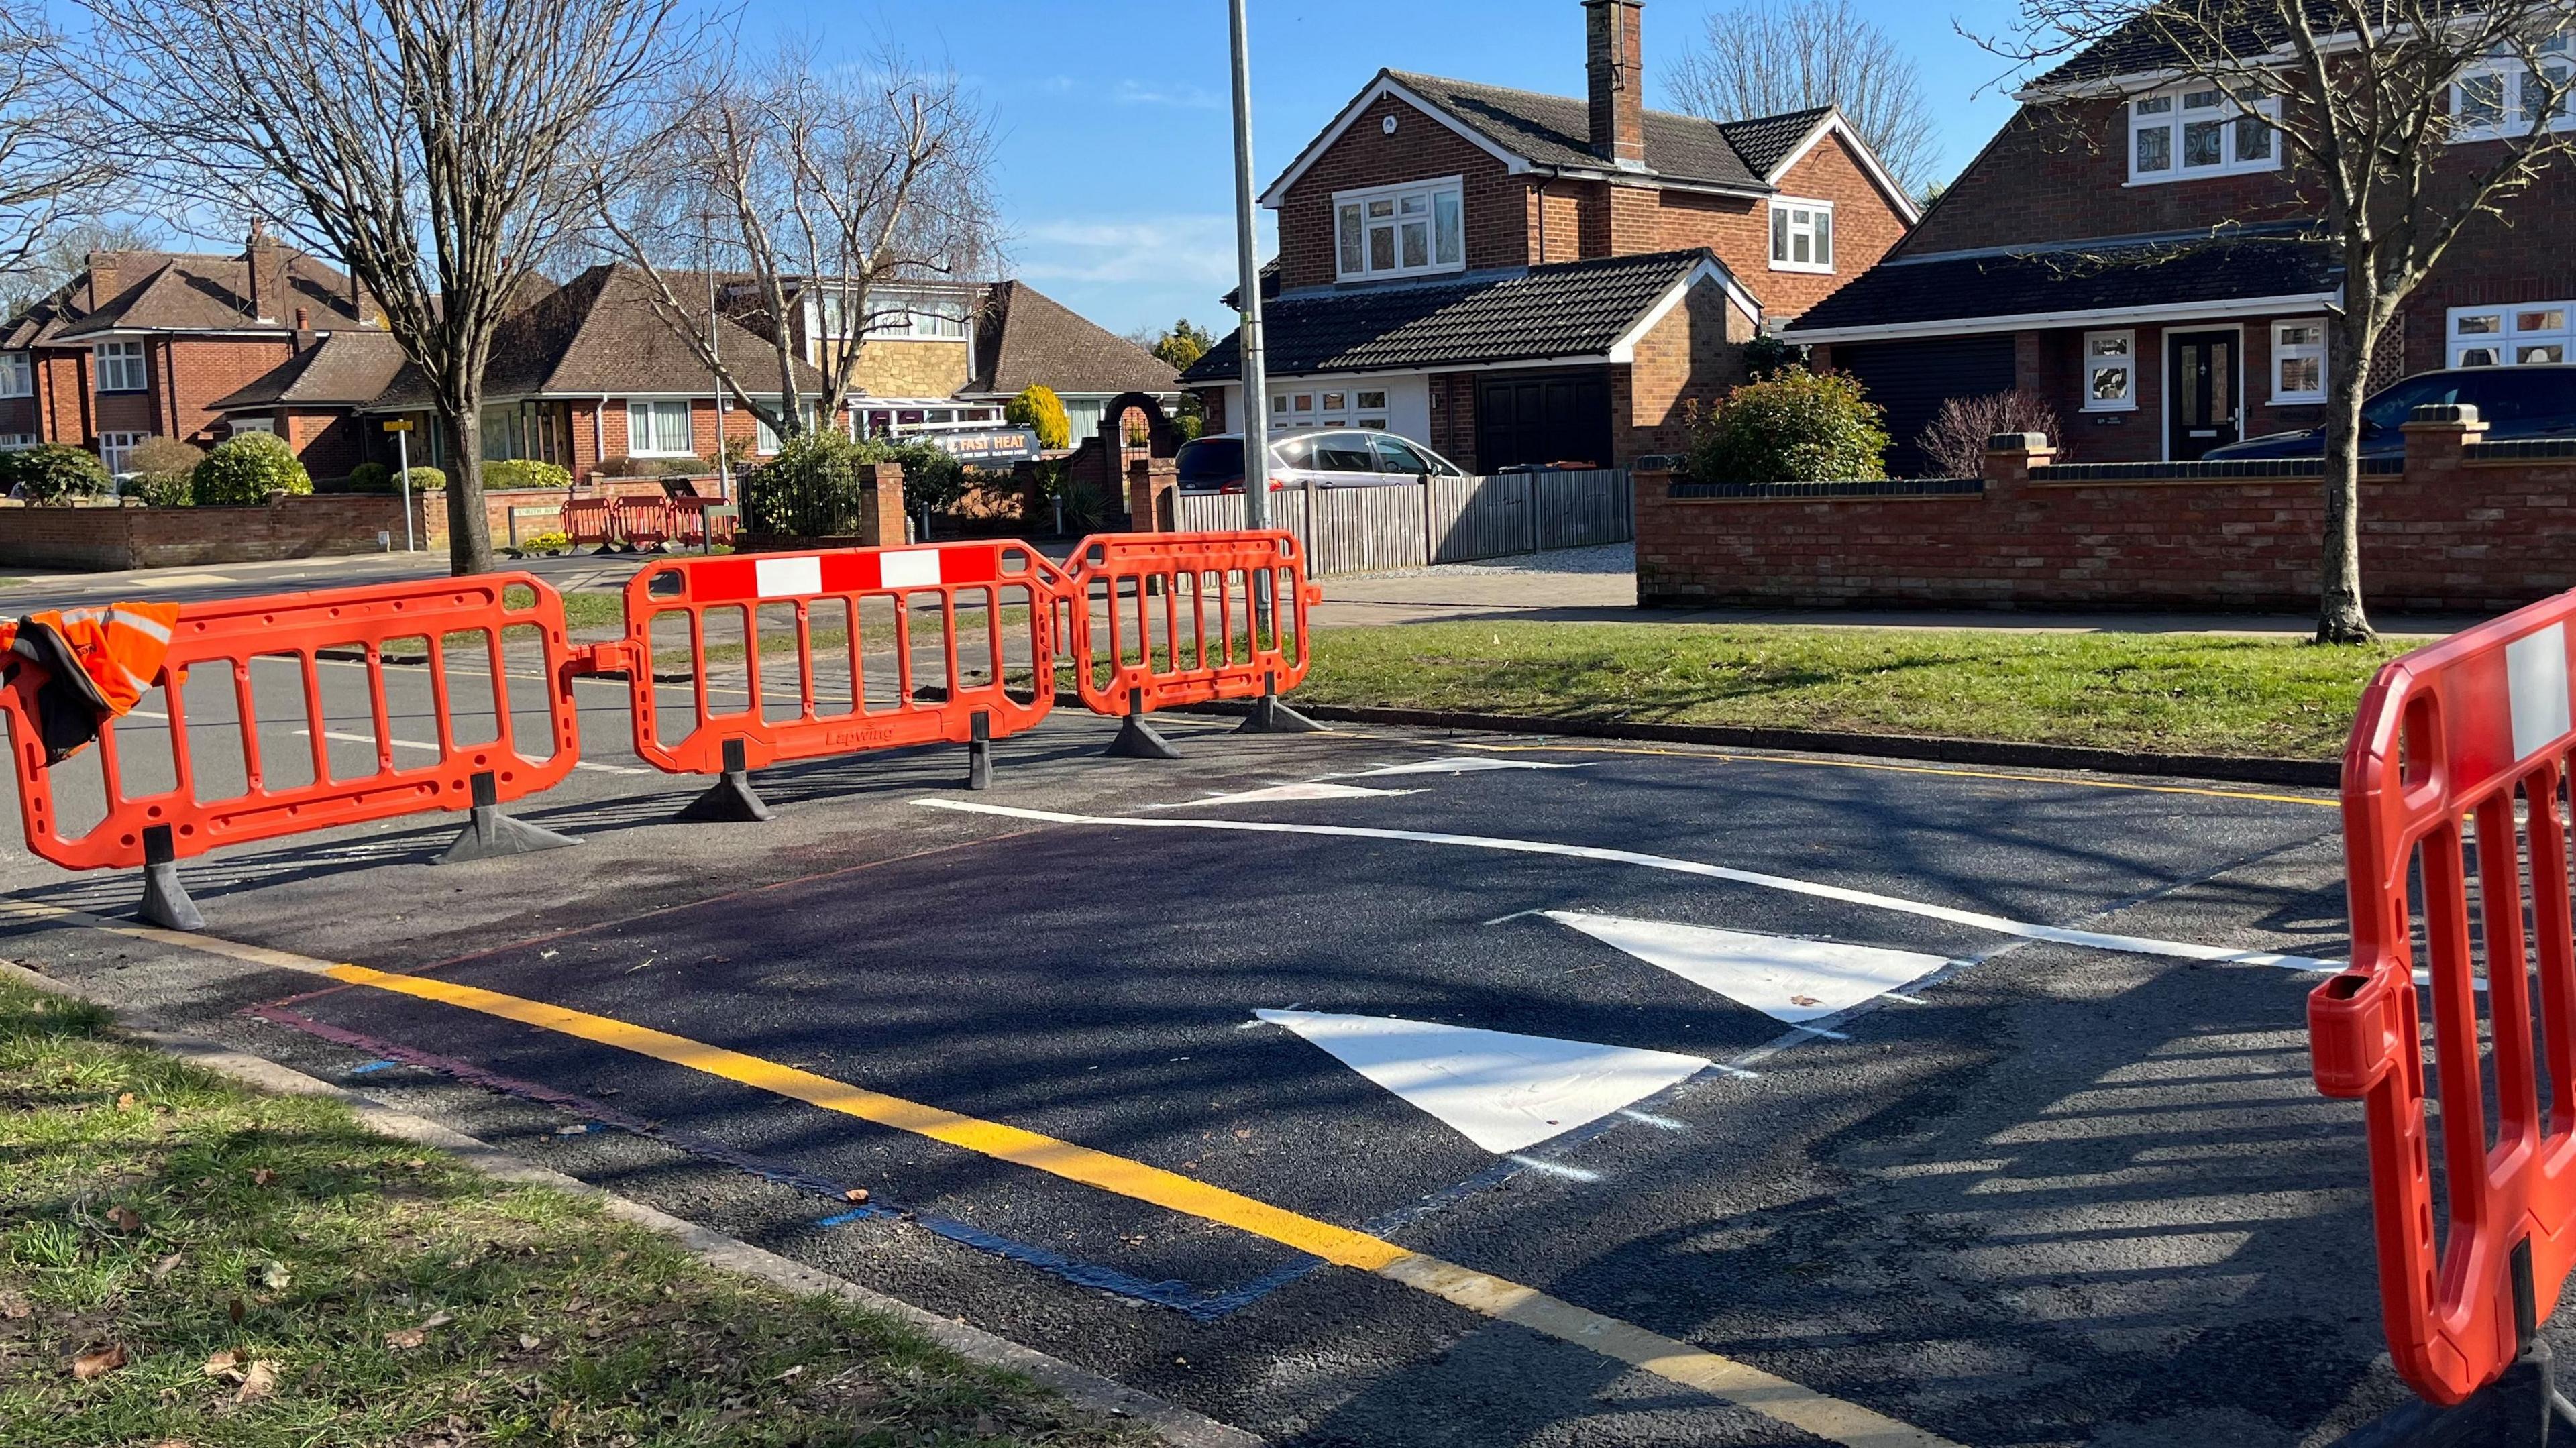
(1398,231)
(2198,129)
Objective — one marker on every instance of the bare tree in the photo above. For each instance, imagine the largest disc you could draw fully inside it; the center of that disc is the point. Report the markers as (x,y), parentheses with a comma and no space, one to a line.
(61,252)
(808,187)
(50,176)
(425,143)
(1762,57)
(2404,123)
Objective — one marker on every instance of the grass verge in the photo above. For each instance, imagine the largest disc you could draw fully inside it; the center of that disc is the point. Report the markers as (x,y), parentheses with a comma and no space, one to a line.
(187,1261)
(2165,693)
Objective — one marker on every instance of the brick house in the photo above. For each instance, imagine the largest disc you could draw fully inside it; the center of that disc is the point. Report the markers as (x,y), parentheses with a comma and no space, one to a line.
(2133,249)
(591,373)
(148,343)
(1514,277)
(938,351)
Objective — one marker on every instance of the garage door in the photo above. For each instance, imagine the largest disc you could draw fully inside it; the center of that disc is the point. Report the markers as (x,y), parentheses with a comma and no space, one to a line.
(1912,379)
(1545,419)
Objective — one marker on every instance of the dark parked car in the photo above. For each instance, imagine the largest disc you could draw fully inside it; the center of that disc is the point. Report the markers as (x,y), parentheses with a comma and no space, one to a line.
(2517,403)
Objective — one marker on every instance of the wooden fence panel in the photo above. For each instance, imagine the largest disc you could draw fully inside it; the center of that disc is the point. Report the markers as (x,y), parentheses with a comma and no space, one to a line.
(1440,520)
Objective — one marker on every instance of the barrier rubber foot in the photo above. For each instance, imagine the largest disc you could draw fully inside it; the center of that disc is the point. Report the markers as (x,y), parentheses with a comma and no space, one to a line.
(730,800)
(490,834)
(165,900)
(1139,740)
(979,753)
(1269,716)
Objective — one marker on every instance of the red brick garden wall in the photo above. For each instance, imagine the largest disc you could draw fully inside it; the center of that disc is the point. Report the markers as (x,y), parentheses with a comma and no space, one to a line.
(102,539)
(2460,529)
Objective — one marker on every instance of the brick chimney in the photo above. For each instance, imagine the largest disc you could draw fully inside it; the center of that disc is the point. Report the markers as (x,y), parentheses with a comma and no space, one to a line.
(106,276)
(1613,68)
(266,265)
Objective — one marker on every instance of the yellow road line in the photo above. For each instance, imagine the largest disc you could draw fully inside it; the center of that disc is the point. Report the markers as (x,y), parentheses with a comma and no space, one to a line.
(1750,1387)
(2307,799)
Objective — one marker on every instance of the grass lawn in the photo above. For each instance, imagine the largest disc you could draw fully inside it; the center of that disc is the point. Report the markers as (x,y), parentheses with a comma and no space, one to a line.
(2176,693)
(186,1261)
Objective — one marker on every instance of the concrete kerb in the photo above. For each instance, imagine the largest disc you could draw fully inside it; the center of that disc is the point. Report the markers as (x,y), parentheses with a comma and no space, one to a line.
(1173,1424)
(2231,768)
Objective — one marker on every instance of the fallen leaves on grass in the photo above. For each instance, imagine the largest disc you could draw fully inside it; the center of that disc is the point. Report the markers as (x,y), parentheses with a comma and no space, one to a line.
(261,1176)
(257,1383)
(407,1338)
(166,1265)
(99,1361)
(127,1219)
(274,1276)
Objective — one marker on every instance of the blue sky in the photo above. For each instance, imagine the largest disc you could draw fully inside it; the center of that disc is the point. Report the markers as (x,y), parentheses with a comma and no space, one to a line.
(1116,169)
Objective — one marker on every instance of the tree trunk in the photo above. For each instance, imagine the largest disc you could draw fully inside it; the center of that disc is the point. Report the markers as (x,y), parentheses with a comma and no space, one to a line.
(2340,617)
(469,533)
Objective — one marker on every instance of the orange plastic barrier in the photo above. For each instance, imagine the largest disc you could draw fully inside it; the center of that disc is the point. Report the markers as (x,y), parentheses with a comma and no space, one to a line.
(274,776)
(791,656)
(689,520)
(1160,619)
(588,522)
(2454,770)
(643,522)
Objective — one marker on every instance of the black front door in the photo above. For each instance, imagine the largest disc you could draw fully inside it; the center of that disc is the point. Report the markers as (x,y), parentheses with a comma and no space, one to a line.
(1563,418)
(2203,383)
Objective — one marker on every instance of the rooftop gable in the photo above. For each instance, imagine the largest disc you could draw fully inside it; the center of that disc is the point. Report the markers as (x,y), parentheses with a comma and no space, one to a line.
(1025,338)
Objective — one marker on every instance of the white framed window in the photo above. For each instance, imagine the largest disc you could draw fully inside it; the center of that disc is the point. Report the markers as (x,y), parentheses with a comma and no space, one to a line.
(1370,407)
(658,430)
(16,441)
(1396,231)
(1802,235)
(2110,371)
(2299,360)
(116,449)
(120,367)
(2198,129)
(242,425)
(17,375)
(2521,335)
(2503,97)
(765,439)
(906,317)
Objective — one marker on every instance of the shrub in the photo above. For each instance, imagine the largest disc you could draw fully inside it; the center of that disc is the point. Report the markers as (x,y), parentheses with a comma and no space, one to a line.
(426,480)
(1956,439)
(1041,411)
(811,487)
(525,473)
(52,473)
(632,467)
(931,478)
(162,468)
(370,478)
(1767,356)
(551,541)
(246,469)
(1798,426)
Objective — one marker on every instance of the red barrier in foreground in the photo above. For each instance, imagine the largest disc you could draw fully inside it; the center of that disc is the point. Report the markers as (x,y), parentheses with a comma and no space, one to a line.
(791,656)
(2453,783)
(1164,619)
(277,774)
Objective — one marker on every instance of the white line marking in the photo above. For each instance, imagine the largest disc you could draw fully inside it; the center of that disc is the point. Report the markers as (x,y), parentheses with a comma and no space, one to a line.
(1499,1090)
(1555,1168)
(1460,764)
(1283,792)
(2054,934)
(1783,977)
(1515,915)
(347,738)
(1900,996)
(1818,1031)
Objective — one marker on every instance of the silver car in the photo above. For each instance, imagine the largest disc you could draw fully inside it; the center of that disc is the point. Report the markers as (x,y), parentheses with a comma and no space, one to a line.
(1342,457)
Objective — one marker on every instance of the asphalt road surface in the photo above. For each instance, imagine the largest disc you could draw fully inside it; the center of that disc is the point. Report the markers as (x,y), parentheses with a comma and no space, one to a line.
(1887,1098)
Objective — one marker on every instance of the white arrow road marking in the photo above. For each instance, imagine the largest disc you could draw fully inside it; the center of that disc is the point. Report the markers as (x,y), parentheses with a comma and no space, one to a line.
(2001,925)
(1781,976)
(1278,792)
(1501,1091)
(1461,764)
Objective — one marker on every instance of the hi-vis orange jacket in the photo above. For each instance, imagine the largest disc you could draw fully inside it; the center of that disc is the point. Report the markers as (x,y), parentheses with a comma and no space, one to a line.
(89,666)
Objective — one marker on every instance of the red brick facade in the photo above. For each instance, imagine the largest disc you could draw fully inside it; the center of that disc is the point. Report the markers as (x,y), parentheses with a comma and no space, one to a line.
(2058,174)
(2429,540)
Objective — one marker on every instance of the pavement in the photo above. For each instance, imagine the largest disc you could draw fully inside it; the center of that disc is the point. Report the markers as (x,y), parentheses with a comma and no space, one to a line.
(1380,1086)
